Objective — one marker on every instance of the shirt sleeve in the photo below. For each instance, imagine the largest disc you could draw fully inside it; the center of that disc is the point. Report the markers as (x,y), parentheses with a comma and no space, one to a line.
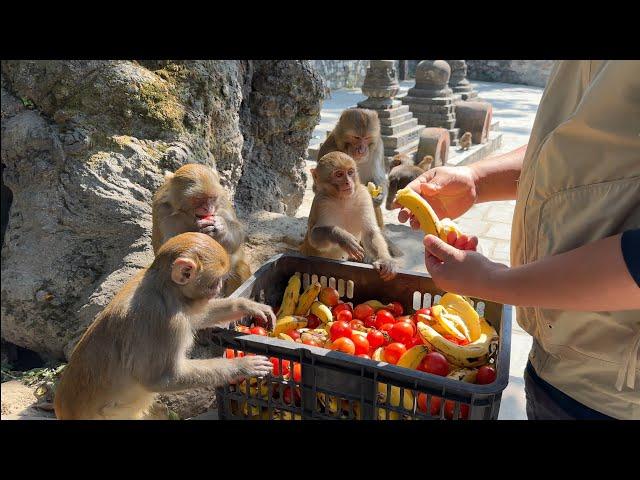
(630,244)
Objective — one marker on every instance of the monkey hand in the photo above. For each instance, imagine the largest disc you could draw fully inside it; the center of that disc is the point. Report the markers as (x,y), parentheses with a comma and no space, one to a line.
(212,226)
(259,310)
(253,366)
(386,268)
(351,245)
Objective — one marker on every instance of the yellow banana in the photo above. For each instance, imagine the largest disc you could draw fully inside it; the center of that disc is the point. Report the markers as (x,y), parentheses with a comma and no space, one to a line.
(445,226)
(378,354)
(412,357)
(309,296)
(374,190)
(394,400)
(450,323)
(460,306)
(321,311)
(464,374)
(287,323)
(284,336)
(474,354)
(290,297)
(376,305)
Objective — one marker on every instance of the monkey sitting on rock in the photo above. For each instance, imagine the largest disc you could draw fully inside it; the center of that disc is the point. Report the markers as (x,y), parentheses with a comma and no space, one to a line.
(465,141)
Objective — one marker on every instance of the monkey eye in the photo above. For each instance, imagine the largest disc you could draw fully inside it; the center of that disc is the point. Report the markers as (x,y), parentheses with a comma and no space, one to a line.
(351,172)
(338,174)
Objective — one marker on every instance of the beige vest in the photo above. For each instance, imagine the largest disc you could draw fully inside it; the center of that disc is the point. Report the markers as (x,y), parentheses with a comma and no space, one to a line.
(580,182)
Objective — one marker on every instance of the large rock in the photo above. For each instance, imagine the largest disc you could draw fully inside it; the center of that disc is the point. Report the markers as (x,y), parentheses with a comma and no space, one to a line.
(84,146)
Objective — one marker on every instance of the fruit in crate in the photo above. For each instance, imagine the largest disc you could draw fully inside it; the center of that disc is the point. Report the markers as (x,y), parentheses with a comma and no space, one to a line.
(329,296)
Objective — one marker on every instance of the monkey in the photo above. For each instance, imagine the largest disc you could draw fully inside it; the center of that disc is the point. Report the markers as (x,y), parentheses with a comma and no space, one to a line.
(192,200)
(357,134)
(342,217)
(465,141)
(404,172)
(136,347)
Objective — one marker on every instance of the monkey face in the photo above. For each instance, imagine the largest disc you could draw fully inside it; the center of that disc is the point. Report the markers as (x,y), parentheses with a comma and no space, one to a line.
(343,181)
(357,147)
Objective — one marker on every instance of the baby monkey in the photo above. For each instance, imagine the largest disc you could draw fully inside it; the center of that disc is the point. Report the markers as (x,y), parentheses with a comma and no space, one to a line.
(465,141)
(342,217)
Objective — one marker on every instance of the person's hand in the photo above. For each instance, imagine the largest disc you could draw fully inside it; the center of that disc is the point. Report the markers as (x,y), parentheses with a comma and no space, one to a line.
(450,191)
(458,271)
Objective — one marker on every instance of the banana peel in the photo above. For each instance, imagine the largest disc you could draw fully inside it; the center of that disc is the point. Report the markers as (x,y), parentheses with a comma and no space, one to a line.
(460,306)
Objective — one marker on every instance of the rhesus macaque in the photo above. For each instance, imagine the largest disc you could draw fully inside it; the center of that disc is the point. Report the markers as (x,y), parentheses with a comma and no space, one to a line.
(136,347)
(465,141)
(342,217)
(402,173)
(192,200)
(357,134)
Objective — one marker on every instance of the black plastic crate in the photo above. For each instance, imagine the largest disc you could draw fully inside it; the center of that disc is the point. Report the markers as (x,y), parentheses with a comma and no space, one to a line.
(335,385)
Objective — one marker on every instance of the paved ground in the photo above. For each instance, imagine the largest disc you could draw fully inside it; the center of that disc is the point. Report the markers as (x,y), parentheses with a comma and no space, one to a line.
(514,106)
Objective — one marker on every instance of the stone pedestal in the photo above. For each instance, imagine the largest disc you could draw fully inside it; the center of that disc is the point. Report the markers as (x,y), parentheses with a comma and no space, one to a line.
(431,100)
(398,127)
(458,81)
(474,117)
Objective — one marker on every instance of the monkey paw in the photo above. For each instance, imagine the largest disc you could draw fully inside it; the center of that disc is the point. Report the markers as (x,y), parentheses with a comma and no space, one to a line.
(353,248)
(386,268)
(254,366)
(260,310)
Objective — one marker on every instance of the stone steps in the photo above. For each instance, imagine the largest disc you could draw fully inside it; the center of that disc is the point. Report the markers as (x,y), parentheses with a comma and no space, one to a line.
(400,128)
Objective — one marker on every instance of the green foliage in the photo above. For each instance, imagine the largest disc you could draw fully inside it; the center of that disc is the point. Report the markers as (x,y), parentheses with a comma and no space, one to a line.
(32,377)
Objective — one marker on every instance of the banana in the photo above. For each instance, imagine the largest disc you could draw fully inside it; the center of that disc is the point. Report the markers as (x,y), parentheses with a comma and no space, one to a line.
(284,336)
(412,357)
(321,311)
(474,354)
(309,296)
(378,354)
(374,190)
(429,221)
(407,401)
(450,323)
(290,297)
(464,374)
(287,323)
(460,306)
(376,305)
(329,402)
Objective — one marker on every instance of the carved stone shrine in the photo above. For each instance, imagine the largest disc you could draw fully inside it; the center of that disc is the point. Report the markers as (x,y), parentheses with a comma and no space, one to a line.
(458,81)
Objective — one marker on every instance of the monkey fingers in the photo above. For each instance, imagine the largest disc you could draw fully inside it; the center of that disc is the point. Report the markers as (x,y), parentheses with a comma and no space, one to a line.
(354,249)
(386,269)
(254,366)
(205,222)
(210,230)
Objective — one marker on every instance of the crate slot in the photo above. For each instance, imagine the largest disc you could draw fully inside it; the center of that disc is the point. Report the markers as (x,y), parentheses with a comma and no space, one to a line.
(323,281)
(341,287)
(261,297)
(305,280)
(426,300)
(480,308)
(332,282)
(350,287)
(417,297)
(314,278)
(436,299)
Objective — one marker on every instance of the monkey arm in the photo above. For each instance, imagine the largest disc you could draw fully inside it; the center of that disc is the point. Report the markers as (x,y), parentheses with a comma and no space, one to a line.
(375,244)
(379,174)
(232,235)
(224,310)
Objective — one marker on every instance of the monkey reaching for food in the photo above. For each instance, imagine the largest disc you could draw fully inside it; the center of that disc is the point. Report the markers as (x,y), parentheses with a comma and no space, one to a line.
(192,200)
(136,347)
(403,172)
(342,217)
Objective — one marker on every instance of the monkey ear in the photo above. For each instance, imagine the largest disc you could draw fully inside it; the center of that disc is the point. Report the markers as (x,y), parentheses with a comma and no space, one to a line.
(183,270)
(168,175)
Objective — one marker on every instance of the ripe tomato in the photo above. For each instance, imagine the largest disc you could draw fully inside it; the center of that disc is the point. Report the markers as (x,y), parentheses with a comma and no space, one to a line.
(422,311)
(286,366)
(370,321)
(311,342)
(313,321)
(297,372)
(435,404)
(340,329)
(229,353)
(386,327)
(486,375)
(258,331)
(361,343)
(363,311)
(243,329)
(449,405)
(393,352)
(364,355)
(384,316)
(401,332)
(375,339)
(345,345)
(407,319)
(397,309)
(340,307)
(356,324)
(435,363)
(413,342)
(344,316)
(293,334)
(329,296)
(291,395)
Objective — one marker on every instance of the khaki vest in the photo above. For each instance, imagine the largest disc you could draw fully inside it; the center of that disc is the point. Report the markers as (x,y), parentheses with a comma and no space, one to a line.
(580,182)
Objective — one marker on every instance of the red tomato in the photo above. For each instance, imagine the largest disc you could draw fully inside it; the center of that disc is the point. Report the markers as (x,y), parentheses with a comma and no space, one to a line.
(401,332)
(297,372)
(397,309)
(435,404)
(486,375)
(293,334)
(422,311)
(345,345)
(361,343)
(340,329)
(364,355)
(413,342)
(259,331)
(449,405)
(289,394)
(313,321)
(243,329)
(407,319)
(311,342)
(435,363)
(286,365)
(344,316)
(384,316)
(386,327)
(356,324)
(393,352)
(229,353)
(370,321)
(375,338)
(340,307)
(329,296)
(363,311)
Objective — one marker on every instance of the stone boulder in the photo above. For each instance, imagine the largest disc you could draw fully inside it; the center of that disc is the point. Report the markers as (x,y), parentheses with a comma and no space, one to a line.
(85,145)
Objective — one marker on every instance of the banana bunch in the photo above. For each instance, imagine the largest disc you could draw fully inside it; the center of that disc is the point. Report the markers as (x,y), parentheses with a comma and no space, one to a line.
(290,322)
(376,305)
(464,374)
(419,351)
(474,354)
(321,311)
(460,306)
(307,298)
(429,221)
(290,297)
(374,190)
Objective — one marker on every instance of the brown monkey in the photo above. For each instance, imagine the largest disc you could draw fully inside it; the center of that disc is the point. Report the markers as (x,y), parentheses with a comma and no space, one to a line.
(465,141)
(192,200)
(403,172)
(357,134)
(342,217)
(137,345)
